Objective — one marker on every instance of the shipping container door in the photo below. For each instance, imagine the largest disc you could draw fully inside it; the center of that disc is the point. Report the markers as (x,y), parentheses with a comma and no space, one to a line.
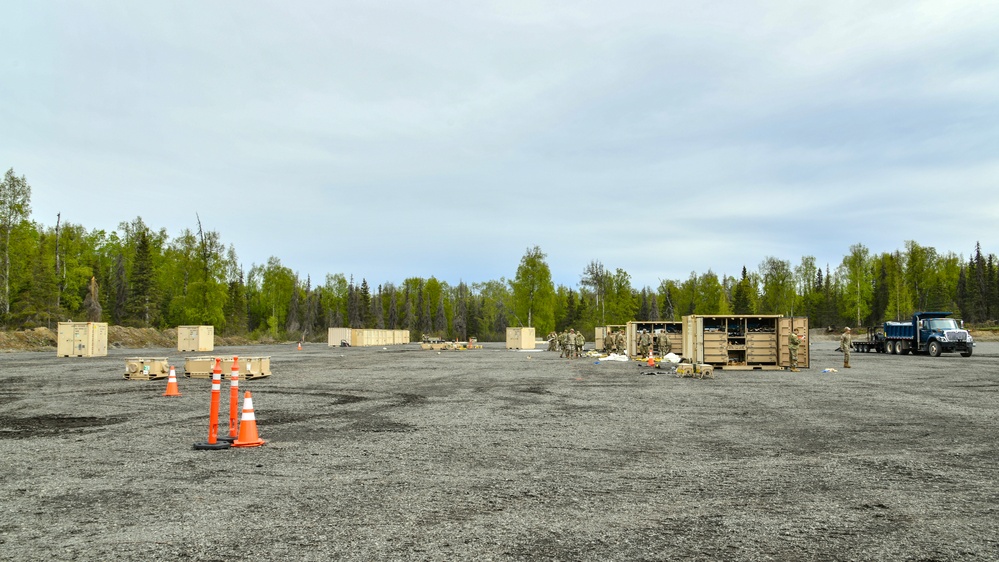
(785,327)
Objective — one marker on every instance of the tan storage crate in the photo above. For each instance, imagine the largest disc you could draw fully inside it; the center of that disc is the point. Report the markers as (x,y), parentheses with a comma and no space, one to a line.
(249,367)
(337,335)
(82,339)
(196,338)
(520,338)
(401,337)
(146,368)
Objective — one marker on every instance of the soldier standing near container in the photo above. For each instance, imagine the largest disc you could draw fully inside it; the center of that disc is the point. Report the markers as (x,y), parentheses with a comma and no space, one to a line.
(609,342)
(580,340)
(665,345)
(644,341)
(793,342)
(845,343)
(552,344)
(561,343)
(619,343)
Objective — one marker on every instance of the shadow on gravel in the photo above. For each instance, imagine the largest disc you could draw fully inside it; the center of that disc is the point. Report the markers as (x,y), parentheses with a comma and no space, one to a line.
(44,426)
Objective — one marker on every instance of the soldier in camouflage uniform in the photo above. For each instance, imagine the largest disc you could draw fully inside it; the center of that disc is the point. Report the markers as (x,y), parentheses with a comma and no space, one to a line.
(665,345)
(644,343)
(580,340)
(845,343)
(609,342)
(619,343)
(793,342)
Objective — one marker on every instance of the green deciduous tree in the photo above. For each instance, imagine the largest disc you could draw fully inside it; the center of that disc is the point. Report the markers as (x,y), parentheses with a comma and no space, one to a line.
(15,208)
(534,292)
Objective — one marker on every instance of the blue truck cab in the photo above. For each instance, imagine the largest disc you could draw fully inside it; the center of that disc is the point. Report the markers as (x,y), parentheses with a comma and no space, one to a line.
(932,333)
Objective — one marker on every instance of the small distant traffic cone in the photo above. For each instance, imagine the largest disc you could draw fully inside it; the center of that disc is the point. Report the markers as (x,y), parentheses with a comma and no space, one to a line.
(651,361)
(248,425)
(172,389)
(300,346)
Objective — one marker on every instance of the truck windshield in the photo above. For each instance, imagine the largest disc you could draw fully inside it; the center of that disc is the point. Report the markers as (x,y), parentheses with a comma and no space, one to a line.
(942,324)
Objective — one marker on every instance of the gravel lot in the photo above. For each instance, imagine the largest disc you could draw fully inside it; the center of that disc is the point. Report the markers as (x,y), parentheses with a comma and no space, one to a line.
(405,454)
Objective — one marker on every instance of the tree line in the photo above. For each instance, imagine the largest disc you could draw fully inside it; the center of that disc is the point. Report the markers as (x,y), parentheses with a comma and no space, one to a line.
(141,277)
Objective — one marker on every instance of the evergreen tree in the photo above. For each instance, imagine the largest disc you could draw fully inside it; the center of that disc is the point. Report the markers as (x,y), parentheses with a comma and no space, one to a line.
(879,301)
(644,312)
(461,312)
(364,304)
(236,316)
(392,322)
(141,294)
(409,314)
(354,306)
(292,323)
(119,285)
(440,320)
(653,307)
(377,317)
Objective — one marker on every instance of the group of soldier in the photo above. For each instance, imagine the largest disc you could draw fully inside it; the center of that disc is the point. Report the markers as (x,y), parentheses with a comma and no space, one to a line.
(659,344)
(614,342)
(569,343)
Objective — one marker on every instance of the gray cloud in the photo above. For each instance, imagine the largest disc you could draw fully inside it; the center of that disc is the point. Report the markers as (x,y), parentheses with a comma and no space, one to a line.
(397,139)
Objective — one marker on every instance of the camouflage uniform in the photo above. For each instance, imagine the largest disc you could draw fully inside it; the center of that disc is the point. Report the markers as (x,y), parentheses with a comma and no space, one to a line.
(619,343)
(665,345)
(845,343)
(793,342)
(580,340)
(608,343)
(644,342)
(552,341)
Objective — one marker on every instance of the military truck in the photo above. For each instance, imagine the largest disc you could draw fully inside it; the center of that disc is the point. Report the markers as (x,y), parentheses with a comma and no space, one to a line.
(931,333)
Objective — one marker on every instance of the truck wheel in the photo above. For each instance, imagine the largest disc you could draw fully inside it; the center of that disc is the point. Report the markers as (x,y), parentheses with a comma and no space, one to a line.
(966,353)
(933,349)
(890,347)
(898,348)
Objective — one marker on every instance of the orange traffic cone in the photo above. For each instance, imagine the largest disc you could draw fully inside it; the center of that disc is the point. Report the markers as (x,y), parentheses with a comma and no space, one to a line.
(213,443)
(300,346)
(652,361)
(172,389)
(248,425)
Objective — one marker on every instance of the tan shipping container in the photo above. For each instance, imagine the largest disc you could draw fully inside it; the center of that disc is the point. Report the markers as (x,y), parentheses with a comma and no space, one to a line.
(337,335)
(82,339)
(195,338)
(358,337)
(743,341)
(520,338)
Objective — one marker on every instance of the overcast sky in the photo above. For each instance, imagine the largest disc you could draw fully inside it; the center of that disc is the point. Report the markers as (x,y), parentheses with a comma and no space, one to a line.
(387,140)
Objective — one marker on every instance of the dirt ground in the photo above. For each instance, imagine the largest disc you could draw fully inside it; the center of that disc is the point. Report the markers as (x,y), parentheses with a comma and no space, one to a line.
(403,454)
